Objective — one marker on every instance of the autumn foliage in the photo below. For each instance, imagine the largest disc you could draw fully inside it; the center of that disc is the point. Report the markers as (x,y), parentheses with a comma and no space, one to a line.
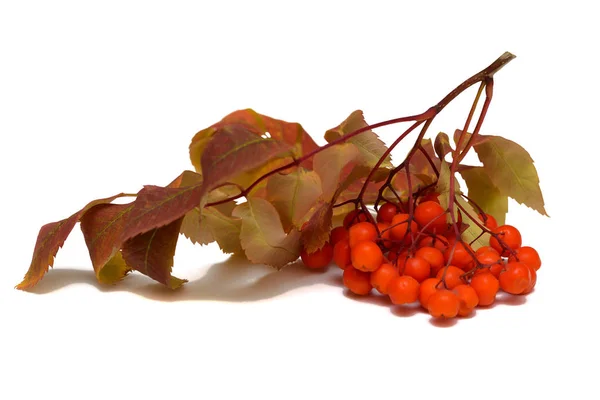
(262,188)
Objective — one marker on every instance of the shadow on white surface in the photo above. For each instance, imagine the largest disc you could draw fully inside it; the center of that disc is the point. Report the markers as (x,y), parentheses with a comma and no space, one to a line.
(234,280)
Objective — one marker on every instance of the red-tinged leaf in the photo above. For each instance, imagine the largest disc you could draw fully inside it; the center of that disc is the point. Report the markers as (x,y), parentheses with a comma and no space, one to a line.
(234,149)
(478,140)
(485,194)
(511,170)
(102,227)
(442,145)
(330,165)
(351,185)
(315,232)
(293,195)
(51,238)
(402,188)
(420,165)
(370,146)
(473,234)
(262,236)
(289,132)
(152,254)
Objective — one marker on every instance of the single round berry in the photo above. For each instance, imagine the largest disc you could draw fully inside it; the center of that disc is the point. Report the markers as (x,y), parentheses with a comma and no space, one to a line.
(486,285)
(460,256)
(418,268)
(467,296)
(366,256)
(488,221)
(381,278)
(400,226)
(318,259)
(431,215)
(527,255)
(386,212)
(337,234)
(452,276)
(341,253)
(358,282)
(532,282)
(509,235)
(443,304)
(403,290)
(437,241)
(360,232)
(515,278)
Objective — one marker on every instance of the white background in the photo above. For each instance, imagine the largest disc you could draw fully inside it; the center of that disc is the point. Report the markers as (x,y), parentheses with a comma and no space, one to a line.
(101,98)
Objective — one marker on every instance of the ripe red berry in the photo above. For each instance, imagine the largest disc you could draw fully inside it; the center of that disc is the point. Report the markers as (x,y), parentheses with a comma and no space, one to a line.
(386,212)
(527,255)
(515,278)
(509,235)
(418,268)
(366,256)
(358,282)
(354,217)
(360,232)
(319,259)
(486,285)
(341,254)
(403,290)
(489,221)
(432,215)
(381,278)
(443,304)
(338,234)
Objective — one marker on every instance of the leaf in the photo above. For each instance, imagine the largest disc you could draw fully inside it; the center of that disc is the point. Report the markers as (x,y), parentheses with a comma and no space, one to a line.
(152,254)
(114,270)
(368,143)
(442,145)
(420,165)
(315,232)
(329,164)
(293,195)
(262,236)
(231,151)
(288,132)
(51,238)
(193,228)
(102,227)
(485,194)
(479,139)
(511,170)
(224,228)
(473,233)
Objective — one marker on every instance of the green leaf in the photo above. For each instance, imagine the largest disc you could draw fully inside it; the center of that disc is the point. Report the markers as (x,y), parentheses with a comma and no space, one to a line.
(293,195)
(483,192)
(511,170)
(262,236)
(473,233)
(370,146)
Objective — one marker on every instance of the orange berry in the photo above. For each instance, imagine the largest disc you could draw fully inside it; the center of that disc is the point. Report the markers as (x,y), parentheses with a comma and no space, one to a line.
(353,217)
(430,197)
(341,253)
(432,215)
(509,235)
(366,256)
(484,249)
(401,261)
(461,256)
(515,278)
(381,278)
(337,234)
(467,296)
(418,268)
(433,256)
(400,226)
(428,287)
(358,282)
(443,303)
(386,212)
(319,259)
(486,285)
(492,260)
(527,255)
(403,290)
(488,221)
(360,232)
(452,277)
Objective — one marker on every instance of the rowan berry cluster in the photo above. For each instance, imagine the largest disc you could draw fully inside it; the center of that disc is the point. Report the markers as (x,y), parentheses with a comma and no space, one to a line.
(418,258)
